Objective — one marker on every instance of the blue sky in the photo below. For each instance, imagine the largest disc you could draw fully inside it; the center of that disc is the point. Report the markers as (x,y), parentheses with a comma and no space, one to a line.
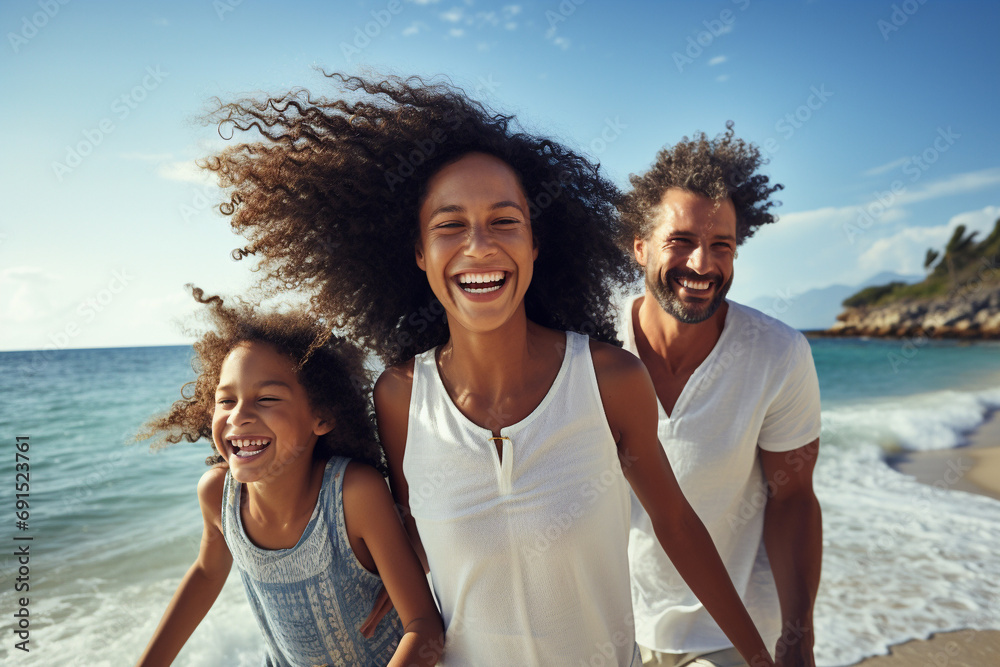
(878,117)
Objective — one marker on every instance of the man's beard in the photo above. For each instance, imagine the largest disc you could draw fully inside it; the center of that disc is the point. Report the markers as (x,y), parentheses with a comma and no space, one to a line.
(672,304)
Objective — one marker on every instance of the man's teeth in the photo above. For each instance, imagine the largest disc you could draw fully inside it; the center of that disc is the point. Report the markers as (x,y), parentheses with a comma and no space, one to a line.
(695,284)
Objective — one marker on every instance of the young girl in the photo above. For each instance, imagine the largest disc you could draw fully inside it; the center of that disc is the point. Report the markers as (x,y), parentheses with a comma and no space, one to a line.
(294,498)
(432,227)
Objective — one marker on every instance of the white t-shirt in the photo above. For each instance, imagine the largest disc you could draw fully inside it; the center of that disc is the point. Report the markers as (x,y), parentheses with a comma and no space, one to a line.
(757,388)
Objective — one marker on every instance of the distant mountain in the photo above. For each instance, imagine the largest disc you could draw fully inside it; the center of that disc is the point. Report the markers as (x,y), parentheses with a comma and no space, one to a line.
(818,308)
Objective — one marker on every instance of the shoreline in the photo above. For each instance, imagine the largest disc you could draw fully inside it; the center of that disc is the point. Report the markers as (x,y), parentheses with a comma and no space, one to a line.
(960,648)
(973,468)
(903,333)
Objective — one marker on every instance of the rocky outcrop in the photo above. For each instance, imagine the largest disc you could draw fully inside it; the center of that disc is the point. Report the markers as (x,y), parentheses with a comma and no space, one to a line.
(968,313)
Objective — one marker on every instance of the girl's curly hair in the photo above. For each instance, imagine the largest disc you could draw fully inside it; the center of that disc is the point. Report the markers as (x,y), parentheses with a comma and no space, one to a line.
(330,369)
(717,168)
(329,201)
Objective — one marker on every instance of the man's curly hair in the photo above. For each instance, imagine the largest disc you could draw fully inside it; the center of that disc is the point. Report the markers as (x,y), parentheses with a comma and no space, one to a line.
(328,200)
(330,369)
(714,168)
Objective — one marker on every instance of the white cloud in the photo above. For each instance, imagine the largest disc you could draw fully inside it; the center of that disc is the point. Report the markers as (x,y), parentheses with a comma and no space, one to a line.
(953,185)
(510,25)
(146,157)
(511,10)
(905,250)
(483,47)
(413,29)
(456,32)
(27,291)
(482,18)
(453,15)
(717,60)
(722,78)
(561,42)
(186,171)
(888,166)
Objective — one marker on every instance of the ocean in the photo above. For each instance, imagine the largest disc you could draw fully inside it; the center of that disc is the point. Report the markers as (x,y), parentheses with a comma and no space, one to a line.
(114,526)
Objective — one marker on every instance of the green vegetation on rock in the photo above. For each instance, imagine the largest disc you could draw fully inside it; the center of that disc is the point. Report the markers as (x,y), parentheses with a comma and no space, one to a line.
(960,263)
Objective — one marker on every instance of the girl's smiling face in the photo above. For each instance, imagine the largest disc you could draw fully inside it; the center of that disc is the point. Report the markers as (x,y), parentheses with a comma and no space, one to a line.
(476,245)
(263,424)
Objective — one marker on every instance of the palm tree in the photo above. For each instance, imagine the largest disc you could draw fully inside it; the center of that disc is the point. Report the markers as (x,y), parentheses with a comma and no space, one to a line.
(957,246)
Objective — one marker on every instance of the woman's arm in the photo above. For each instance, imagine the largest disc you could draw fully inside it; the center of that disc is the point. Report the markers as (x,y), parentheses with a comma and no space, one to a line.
(630,406)
(374,526)
(202,583)
(392,410)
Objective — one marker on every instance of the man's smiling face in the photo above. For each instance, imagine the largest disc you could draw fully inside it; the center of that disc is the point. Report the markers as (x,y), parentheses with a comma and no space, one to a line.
(688,258)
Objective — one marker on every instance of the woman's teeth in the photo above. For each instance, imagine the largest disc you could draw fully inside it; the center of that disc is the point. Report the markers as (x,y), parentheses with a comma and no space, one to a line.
(480,283)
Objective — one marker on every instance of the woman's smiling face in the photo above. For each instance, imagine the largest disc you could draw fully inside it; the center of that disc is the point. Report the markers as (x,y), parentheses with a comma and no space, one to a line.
(476,245)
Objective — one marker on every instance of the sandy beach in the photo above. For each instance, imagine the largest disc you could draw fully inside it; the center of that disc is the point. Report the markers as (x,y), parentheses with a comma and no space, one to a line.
(973,469)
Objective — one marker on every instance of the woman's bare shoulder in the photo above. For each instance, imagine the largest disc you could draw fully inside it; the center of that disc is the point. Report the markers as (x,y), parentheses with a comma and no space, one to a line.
(393,387)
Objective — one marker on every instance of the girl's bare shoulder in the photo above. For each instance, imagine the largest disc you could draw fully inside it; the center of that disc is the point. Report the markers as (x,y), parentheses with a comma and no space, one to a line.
(210,490)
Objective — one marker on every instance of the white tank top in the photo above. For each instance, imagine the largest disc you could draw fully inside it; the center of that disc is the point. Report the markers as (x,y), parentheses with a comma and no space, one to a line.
(528,555)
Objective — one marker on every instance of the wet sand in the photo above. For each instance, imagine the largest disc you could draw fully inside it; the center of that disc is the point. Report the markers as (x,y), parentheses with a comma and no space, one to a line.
(964,648)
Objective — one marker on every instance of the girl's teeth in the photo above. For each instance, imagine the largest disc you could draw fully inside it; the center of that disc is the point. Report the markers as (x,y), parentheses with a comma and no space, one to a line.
(244,454)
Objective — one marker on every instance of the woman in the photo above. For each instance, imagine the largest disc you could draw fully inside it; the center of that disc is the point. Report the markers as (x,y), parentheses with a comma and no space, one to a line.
(430,226)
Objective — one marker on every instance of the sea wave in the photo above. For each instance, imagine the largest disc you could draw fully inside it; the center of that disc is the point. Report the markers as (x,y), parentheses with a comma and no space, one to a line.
(901,559)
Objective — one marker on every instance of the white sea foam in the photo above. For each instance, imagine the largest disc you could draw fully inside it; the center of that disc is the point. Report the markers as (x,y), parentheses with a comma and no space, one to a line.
(901,559)
(936,420)
(102,625)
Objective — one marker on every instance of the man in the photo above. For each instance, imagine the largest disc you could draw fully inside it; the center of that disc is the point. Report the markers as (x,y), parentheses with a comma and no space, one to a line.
(739,408)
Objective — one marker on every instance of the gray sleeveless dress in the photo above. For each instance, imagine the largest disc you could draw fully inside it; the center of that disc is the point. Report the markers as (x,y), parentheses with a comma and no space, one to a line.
(310,600)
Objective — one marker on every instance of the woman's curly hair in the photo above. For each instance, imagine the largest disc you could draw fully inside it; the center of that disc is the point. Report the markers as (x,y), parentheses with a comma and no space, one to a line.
(717,168)
(329,200)
(330,369)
